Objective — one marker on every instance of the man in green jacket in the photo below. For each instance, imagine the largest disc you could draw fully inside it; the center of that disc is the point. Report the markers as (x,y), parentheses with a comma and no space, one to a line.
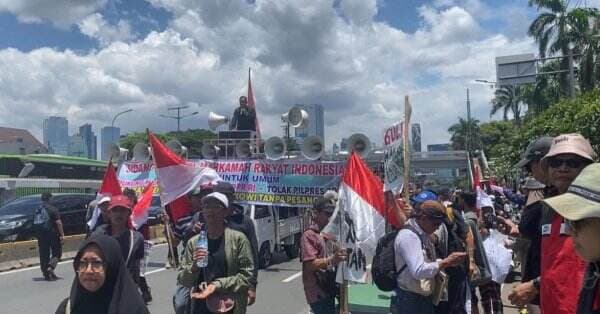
(225,247)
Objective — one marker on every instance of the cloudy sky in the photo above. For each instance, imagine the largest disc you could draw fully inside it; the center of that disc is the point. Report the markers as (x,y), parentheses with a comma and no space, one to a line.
(88,59)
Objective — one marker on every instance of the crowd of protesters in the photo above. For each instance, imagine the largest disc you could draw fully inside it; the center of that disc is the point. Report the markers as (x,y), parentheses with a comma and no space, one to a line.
(452,253)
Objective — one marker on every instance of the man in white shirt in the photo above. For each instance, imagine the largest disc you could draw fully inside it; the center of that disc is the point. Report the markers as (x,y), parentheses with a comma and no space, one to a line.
(416,260)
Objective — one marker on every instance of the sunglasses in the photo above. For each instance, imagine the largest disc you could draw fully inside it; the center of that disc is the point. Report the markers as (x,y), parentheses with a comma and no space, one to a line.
(570,163)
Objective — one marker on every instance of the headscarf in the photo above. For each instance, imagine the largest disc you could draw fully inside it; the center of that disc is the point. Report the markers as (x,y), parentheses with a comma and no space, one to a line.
(118,295)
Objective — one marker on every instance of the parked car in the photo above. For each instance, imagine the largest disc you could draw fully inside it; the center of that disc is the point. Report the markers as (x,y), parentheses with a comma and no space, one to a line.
(16,217)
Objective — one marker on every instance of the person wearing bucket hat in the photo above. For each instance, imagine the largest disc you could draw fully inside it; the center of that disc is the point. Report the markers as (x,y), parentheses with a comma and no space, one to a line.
(222,286)
(561,270)
(580,206)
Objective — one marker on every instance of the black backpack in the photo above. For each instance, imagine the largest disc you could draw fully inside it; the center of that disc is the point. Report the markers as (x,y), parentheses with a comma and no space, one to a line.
(383,268)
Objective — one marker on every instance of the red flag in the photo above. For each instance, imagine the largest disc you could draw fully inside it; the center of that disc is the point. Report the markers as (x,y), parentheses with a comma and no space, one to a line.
(252,104)
(139,215)
(110,184)
(176,177)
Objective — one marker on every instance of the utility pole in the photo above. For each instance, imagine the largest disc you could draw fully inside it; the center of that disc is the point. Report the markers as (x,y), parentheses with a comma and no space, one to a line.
(468,141)
(179,117)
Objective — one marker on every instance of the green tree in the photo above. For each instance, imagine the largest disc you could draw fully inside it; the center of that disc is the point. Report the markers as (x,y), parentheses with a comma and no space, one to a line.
(191,138)
(557,27)
(509,99)
(458,134)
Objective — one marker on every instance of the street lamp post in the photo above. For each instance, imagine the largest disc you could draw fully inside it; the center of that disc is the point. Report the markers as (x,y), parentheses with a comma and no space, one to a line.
(179,117)
(112,124)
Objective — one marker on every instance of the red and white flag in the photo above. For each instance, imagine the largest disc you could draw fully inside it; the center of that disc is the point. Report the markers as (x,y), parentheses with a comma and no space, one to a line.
(252,104)
(362,202)
(139,214)
(176,177)
(110,187)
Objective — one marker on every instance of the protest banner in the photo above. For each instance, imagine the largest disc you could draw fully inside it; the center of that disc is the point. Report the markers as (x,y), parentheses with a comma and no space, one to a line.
(260,182)
(393,139)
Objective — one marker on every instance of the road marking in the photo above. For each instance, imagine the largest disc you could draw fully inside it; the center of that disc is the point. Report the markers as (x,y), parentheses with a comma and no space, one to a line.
(292,277)
(70,260)
(30,268)
(154,271)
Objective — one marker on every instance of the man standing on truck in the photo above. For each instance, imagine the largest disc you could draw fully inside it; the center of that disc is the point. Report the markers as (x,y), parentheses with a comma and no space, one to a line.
(49,232)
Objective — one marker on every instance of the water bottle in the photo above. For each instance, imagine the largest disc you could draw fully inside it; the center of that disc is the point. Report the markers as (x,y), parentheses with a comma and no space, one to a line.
(202,244)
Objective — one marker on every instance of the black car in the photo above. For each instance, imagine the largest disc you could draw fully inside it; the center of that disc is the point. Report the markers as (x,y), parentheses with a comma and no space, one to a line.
(16,217)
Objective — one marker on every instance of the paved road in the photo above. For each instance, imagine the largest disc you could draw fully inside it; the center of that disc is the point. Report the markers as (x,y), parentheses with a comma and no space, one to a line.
(25,291)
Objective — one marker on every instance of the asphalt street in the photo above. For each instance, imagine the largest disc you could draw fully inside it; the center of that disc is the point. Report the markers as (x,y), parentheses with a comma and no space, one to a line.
(25,291)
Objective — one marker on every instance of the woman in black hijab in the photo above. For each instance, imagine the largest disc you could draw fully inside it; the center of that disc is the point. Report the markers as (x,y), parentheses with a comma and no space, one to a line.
(103,284)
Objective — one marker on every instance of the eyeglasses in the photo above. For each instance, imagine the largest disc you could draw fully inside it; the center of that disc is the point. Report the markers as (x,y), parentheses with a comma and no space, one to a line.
(570,163)
(96,266)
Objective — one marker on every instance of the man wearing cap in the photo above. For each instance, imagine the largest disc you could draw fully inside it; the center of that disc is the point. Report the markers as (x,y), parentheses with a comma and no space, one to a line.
(315,259)
(416,259)
(229,271)
(237,220)
(561,271)
(49,232)
(580,206)
(130,241)
(528,228)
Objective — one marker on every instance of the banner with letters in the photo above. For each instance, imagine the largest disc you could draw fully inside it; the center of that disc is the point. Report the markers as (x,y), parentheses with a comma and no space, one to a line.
(394,158)
(261,182)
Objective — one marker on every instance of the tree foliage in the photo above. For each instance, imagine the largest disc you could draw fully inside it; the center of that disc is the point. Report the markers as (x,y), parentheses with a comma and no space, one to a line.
(191,138)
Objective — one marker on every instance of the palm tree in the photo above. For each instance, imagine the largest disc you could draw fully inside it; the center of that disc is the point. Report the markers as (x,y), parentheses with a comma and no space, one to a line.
(459,131)
(510,99)
(557,27)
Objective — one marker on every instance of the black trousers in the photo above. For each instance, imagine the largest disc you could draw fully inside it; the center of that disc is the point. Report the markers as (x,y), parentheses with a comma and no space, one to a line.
(50,250)
(457,291)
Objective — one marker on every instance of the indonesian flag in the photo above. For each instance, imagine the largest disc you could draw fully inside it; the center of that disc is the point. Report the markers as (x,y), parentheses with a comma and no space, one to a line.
(110,187)
(140,212)
(176,177)
(362,202)
(252,104)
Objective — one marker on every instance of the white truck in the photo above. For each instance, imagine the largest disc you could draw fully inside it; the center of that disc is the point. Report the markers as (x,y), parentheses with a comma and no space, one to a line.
(278,229)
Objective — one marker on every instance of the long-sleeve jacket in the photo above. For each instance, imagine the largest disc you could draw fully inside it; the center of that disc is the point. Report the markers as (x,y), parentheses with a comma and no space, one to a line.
(240,265)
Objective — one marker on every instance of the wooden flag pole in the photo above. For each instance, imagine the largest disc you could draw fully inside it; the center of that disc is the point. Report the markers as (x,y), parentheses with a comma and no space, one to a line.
(168,225)
(406,149)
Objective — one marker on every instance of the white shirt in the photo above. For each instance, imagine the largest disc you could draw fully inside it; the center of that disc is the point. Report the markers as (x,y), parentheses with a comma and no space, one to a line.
(409,252)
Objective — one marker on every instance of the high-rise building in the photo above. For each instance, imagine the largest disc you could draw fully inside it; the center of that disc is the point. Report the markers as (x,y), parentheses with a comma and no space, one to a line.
(316,123)
(77,146)
(416,137)
(56,135)
(108,135)
(90,140)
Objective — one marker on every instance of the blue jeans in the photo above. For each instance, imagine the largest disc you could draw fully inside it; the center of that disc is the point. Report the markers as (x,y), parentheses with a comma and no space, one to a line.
(323,306)
(405,302)
(181,300)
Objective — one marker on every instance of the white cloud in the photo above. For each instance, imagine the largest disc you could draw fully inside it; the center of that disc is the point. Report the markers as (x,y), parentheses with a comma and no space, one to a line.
(299,53)
(95,26)
(60,12)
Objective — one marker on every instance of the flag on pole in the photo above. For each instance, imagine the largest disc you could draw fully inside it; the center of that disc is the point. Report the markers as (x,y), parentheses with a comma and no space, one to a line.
(362,205)
(110,184)
(139,214)
(176,177)
(110,187)
(252,104)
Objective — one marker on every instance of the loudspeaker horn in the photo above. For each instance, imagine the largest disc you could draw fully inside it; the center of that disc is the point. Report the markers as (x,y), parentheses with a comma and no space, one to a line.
(117,153)
(209,151)
(176,147)
(312,148)
(141,152)
(243,149)
(359,143)
(275,148)
(215,120)
(297,117)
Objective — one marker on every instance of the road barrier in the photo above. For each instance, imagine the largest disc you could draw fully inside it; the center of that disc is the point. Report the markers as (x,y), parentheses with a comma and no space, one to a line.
(25,253)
